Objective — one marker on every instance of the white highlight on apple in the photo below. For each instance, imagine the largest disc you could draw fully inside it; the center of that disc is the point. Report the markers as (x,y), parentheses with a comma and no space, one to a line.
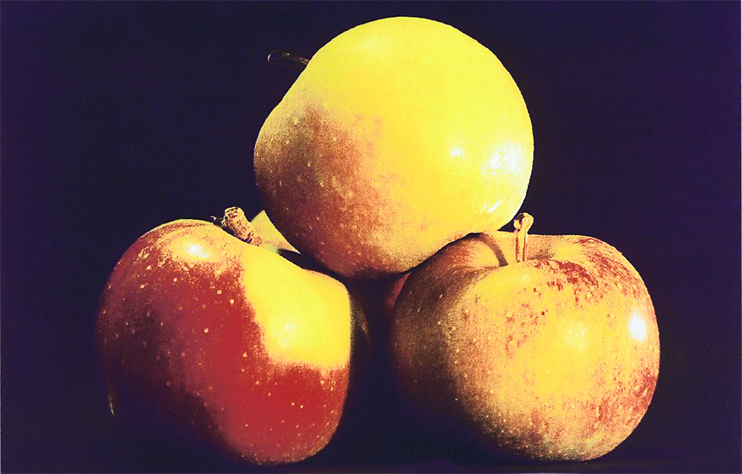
(575,335)
(637,327)
(508,155)
(492,208)
(457,152)
(197,250)
(284,334)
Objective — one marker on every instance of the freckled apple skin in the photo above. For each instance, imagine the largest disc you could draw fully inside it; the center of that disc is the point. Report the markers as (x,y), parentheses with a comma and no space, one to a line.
(400,136)
(552,358)
(186,339)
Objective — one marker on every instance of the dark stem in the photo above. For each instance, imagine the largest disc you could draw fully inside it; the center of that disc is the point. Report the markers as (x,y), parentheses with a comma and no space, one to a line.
(276,54)
(235,222)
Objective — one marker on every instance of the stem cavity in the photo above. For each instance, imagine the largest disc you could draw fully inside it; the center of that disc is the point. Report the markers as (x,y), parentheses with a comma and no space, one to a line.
(236,222)
(522,224)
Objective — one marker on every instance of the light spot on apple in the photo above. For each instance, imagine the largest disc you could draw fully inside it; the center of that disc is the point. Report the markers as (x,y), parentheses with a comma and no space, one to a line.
(490,208)
(206,330)
(575,336)
(637,327)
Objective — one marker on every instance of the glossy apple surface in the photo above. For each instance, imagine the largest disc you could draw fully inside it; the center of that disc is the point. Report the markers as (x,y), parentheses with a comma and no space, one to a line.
(400,136)
(225,341)
(555,357)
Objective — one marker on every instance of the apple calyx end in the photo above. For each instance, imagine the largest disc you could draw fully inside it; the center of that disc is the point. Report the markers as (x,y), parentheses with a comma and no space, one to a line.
(236,223)
(522,224)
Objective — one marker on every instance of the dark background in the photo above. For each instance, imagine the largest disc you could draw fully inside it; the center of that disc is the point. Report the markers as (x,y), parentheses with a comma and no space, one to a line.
(118,117)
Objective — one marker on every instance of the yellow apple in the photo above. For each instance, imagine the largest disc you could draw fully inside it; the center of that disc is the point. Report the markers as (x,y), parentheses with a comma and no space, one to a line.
(400,136)
(546,351)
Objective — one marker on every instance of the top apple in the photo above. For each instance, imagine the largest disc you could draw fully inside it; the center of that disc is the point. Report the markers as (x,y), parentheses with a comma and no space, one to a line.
(400,136)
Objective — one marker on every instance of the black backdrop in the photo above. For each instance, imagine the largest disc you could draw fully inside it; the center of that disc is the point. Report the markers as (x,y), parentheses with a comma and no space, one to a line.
(117,117)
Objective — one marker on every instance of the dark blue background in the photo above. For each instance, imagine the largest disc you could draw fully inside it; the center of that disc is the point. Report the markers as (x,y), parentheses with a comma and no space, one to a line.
(117,117)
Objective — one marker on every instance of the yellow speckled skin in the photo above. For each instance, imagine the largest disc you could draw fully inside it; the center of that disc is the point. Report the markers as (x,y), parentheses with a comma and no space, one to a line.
(553,358)
(400,136)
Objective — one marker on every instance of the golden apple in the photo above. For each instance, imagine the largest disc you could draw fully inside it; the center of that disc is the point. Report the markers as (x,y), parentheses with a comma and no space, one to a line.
(546,351)
(400,136)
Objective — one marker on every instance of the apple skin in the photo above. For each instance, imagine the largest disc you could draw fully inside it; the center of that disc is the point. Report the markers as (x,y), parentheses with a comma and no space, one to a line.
(222,342)
(376,297)
(271,236)
(552,358)
(400,136)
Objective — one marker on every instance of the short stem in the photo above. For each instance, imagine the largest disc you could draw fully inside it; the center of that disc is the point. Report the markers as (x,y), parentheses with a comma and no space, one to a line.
(236,222)
(284,55)
(522,224)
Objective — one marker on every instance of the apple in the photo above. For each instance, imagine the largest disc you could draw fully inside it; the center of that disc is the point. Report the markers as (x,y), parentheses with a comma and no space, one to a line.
(225,342)
(544,351)
(400,136)
(269,234)
(377,297)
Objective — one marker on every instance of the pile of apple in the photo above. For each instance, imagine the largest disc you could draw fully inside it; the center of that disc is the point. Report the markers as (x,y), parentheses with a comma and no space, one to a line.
(396,157)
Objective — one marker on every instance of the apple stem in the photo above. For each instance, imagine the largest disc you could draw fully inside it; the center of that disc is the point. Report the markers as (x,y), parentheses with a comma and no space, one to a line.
(285,55)
(522,224)
(236,222)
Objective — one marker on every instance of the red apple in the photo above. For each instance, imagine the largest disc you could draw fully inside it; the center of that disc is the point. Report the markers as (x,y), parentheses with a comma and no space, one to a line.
(226,342)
